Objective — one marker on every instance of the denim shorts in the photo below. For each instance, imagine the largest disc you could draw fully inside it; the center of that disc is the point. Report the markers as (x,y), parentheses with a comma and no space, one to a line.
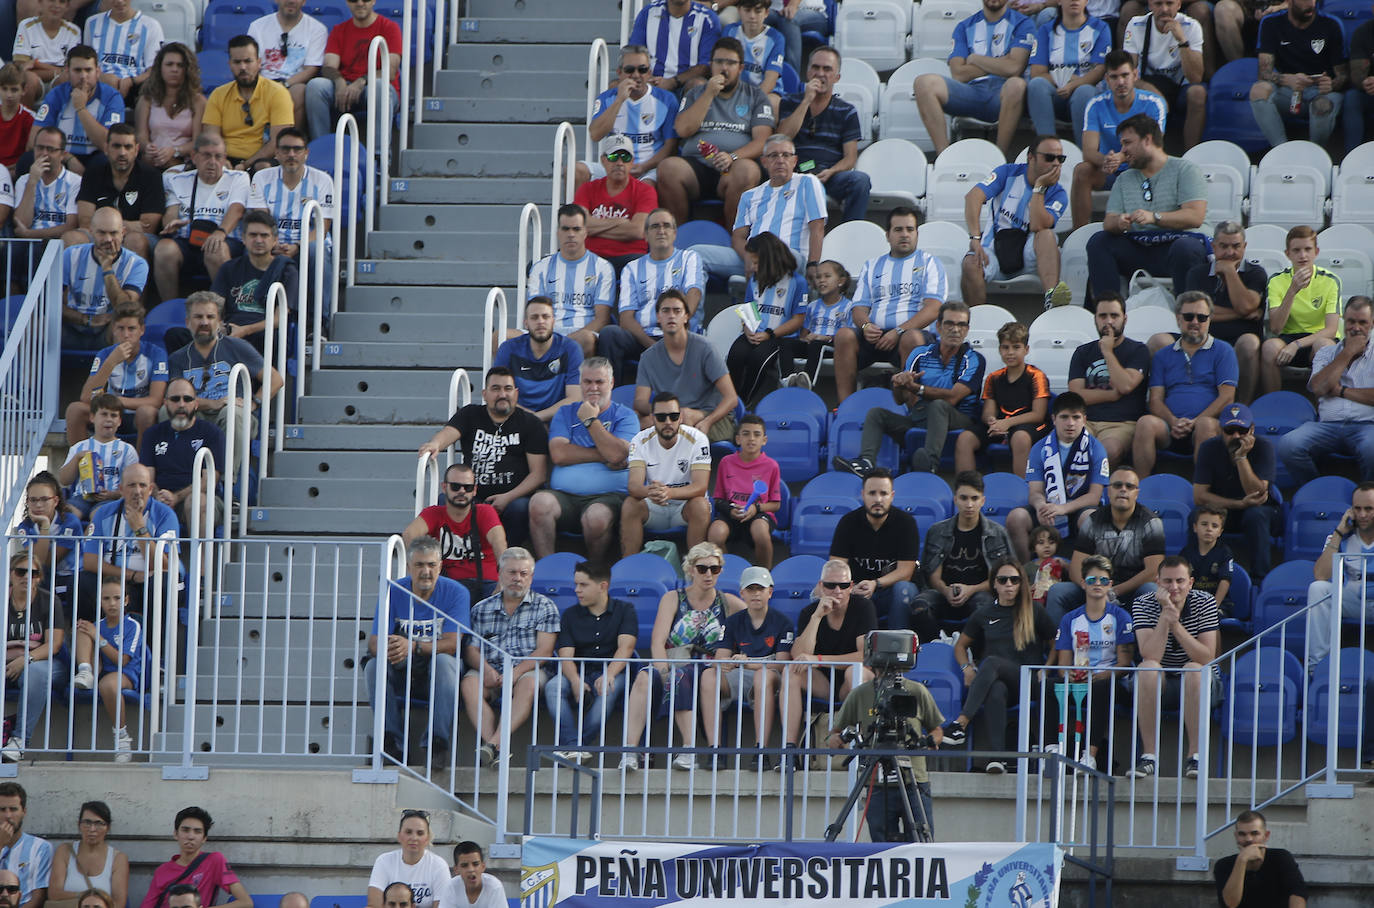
(981,99)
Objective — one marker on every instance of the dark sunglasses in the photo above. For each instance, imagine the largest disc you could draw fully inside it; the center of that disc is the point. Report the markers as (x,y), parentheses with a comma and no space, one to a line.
(622,157)
(837,584)
(1055,158)
(10,889)
(1236,430)
(407,814)
(1009,579)
(181,398)
(247,114)
(22,572)
(1124,485)
(708,568)
(1194,316)
(462,486)
(1147,190)
(674,416)
(641,70)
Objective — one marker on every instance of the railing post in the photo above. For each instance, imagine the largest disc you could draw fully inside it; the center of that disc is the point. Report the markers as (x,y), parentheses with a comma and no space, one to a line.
(598,78)
(459,396)
(310,291)
(426,467)
(629,9)
(564,146)
(504,760)
(1022,743)
(496,298)
(531,238)
(237,451)
(1330,786)
(187,771)
(379,68)
(377,773)
(347,126)
(202,528)
(1198,859)
(276,302)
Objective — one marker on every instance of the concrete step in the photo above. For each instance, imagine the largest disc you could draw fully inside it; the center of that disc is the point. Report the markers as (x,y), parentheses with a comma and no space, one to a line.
(351,437)
(493,246)
(353,409)
(384,300)
(307,672)
(470,219)
(365,383)
(436,355)
(307,466)
(281,633)
(565,105)
(380,491)
(470,190)
(398,327)
(480,83)
(539,30)
(319,521)
(481,55)
(281,730)
(608,11)
(535,161)
(302,604)
(436,272)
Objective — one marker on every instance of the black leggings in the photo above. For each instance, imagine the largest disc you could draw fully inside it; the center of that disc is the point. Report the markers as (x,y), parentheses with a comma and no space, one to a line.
(996,684)
(755,369)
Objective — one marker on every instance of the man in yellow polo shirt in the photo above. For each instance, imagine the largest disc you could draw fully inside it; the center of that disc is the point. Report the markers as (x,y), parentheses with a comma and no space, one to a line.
(249,111)
(1304,310)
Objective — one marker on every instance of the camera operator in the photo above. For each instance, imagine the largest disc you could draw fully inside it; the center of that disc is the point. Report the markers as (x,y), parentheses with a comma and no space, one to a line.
(920,729)
(1237,471)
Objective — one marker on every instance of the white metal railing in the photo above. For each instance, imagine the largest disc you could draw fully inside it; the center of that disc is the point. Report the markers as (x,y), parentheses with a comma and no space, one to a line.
(564,164)
(494,325)
(629,9)
(378,84)
(274,345)
(530,251)
(29,366)
(426,482)
(346,211)
(238,437)
(459,396)
(598,79)
(311,297)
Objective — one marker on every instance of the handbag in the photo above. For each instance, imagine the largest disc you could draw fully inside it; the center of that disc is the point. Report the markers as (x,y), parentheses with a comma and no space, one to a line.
(201,228)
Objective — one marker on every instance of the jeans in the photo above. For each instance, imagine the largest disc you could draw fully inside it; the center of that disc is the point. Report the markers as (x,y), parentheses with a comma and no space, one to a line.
(558,698)
(1065,596)
(1259,524)
(1271,111)
(320,113)
(721,262)
(1358,108)
(1112,254)
(516,520)
(619,346)
(851,189)
(1355,605)
(1300,448)
(887,815)
(894,604)
(937,416)
(806,20)
(35,688)
(1044,103)
(444,668)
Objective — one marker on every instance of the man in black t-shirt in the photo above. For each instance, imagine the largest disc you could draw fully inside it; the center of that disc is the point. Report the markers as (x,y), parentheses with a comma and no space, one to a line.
(126,183)
(245,281)
(1237,288)
(1110,375)
(1237,471)
(829,630)
(1302,72)
(879,543)
(507,446)
(1359,96)
(1258,876)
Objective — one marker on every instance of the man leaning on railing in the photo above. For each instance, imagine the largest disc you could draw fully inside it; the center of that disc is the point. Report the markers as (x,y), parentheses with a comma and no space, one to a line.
(1353,536)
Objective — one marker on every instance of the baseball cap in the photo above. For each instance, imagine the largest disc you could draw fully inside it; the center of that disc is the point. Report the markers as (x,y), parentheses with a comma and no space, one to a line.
(755,576)
(1236,415)
(617,141)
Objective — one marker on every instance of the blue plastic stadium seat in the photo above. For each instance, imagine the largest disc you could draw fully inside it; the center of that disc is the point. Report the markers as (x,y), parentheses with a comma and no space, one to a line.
(644,566)
(1356,688)
(1242,598)
(1282,592)
(226,19)
(847,423)
(1229,117)
(696,233)
(925,497)
(1003,493)
(1171,497)
(1312,514)
(793,580)
(214,69)
(795,420)
(823,501)
(1276,414)
(553,577)
(1263,697)
(729,575)
(321,155)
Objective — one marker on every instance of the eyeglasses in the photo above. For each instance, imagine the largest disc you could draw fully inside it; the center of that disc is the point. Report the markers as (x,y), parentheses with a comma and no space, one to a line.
(1147,190)
(39,499)
(669,417)
(724,61)
(181,398)
(1194,316)
(633,70)
(837,584)
(1054,158)
(48,149)
(623,157)
(1124,485)
(1008,579)
(291,149)
(960,325)
(247,114)
(708,568)
(1236,430)
(462,486)
(1097,581)
(94,824)
(774,155)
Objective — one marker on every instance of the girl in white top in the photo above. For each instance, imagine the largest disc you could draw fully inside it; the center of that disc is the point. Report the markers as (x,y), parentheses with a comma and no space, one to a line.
(91,863)
(413,864)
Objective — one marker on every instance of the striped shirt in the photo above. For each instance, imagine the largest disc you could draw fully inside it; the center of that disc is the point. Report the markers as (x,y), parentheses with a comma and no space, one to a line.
(1009,192)
(106,105)
(645,278)
(824,319)
(52,202)
(134,378)
(1199,615)
(976,35)
(125,48)
(778,303)
(114,542)
(270,191)
(212,200)
(762,54)
(64,529)
(576,288)
(109,458)
(1070,53)
(1102,117)
(893,289)
(304,45)
(648,122)
(31,41)
(785,211)
(31,859)
(84,285)
(965,367)
(677,44)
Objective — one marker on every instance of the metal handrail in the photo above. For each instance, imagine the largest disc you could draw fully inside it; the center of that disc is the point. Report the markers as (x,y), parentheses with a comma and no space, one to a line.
(409,11)
(202,523)
(310,291)
(377,58)
(629,11)
(237,446)
(531,251)
(564,147)
(496,297)
(459,396)
(598,79)
(347,125)
(276,296)
(426,493)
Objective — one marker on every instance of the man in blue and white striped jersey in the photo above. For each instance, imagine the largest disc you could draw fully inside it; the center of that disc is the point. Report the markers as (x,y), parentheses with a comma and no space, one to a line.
(97,277)
(22,854)
(580,283)
(45,197)
(127,42)
(641,112)
(283,191)
(679,35)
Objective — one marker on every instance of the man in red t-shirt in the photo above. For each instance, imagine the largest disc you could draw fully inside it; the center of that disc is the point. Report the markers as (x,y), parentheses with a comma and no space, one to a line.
(341,86)
(619,205)
(451,523)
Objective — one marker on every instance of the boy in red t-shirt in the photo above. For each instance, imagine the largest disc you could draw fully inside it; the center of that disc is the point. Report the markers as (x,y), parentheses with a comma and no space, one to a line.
(16,120)
(341,86)
(735,485)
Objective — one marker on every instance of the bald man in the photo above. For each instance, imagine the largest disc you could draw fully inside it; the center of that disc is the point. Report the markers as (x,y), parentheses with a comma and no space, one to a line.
(291,900)
(9,889)
(96,277)
(125,528)
(398,895)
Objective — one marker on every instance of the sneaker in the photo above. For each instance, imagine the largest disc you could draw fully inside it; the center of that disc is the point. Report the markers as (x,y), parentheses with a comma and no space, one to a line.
(13,751)
(859,466)
(486,755)
(85,678)
(995,768)
(923,462)
(1047,767)
(1144,767)
(712,761)
(798,380)
(124,746)
(1190,768)
(1059,295)
(629,761)
(572,756)
(768,763)
(955,734)
(684,761)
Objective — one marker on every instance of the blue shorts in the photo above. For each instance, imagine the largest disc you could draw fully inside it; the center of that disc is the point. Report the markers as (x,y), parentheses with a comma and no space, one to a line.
(981,99)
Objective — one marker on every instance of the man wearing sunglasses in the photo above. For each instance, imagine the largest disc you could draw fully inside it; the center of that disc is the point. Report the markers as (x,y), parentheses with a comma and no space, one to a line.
(1237,288)
(283,191)
(1236,471)
(1027,201)
(169,450)
(670,466)
(638,110)
(1153,213)
(250,111)
(469,532)
(1191,381)
(617,205)
(292,45)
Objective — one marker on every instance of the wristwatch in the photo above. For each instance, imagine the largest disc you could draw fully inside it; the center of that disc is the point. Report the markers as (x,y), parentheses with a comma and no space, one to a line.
(587,423)
(1156,218)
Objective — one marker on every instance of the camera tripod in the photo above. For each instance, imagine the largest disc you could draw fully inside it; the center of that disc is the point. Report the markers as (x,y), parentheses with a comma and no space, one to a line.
(869,767)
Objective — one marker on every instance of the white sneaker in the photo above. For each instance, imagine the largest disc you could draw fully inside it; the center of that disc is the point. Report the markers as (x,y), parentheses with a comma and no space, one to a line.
(85,678)
(13,751)
(798,380)
(574,756)
(124,746)
(684,761)
(629,761)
